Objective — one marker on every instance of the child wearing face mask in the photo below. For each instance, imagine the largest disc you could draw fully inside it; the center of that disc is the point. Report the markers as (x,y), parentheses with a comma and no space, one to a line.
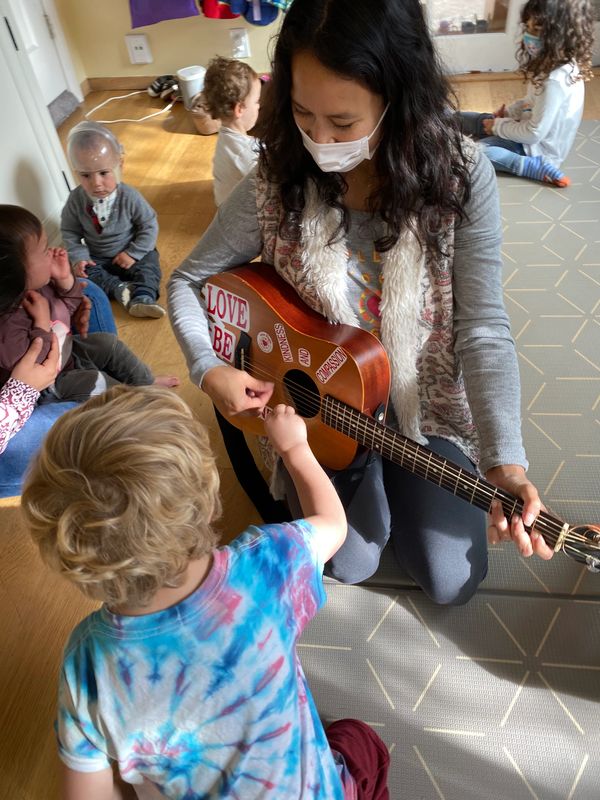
(533,136)
(232,94)
(39,298)
(108,228)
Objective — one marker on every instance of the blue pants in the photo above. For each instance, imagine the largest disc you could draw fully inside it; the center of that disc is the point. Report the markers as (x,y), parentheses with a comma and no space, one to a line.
(438,539)
(143,277)
(15,459)
(505,155)
(101,316)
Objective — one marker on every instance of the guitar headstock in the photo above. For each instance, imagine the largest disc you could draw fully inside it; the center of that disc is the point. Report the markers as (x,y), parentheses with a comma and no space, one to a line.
(582,543)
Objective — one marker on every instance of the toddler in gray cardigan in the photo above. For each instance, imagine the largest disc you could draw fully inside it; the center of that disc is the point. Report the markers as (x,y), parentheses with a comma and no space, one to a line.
(108,228)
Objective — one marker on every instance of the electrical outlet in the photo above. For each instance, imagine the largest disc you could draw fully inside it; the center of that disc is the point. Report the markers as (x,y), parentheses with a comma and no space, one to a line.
(138,48)
(240,44)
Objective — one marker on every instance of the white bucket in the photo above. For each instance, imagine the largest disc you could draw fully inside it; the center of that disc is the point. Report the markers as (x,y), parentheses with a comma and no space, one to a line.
(191,81)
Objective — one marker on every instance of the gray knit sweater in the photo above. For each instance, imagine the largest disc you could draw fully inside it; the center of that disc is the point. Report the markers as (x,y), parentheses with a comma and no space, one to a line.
(132,226)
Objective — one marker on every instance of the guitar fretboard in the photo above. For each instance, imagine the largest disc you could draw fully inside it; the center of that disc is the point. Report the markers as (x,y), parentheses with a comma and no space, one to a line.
(428,465)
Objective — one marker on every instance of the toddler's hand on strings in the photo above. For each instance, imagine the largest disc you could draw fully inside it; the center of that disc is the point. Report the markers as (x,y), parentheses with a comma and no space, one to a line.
(38,308)
(235,392)
(285,429)
(123,260)
(488,126)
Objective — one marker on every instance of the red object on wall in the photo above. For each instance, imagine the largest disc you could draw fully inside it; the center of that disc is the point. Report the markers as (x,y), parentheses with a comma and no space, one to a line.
(217,10)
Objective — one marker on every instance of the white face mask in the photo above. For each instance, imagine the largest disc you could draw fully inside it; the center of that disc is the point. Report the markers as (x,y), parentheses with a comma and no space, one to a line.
(340,156)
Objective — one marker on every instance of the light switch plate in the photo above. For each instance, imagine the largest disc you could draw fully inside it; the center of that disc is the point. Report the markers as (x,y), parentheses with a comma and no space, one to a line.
(138,48)
(240,44)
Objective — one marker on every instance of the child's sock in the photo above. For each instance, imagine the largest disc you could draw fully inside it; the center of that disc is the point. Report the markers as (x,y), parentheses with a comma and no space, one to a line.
(538,169)
(122,294)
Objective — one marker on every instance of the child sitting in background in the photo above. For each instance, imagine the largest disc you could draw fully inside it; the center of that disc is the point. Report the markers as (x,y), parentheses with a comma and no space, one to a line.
(532,137)
(232,94)
(108,228)
(38,298)
(187,679)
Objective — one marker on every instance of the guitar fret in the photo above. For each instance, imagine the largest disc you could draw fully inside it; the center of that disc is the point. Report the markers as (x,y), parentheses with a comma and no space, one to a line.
(458,474)
(428,465)
(475,485)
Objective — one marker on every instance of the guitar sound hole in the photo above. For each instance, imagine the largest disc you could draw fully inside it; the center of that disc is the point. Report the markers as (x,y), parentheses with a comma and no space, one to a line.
(303,392)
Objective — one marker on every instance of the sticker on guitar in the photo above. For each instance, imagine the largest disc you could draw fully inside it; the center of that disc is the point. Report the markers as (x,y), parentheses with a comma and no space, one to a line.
(227,307)
(331,365)
(284,345)
(223,341)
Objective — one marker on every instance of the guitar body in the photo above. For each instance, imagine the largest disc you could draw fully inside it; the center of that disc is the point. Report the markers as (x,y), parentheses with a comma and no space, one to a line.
(258,323)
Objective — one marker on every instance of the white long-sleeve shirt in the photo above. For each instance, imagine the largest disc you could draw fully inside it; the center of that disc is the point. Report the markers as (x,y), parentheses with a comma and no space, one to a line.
(235,155)
(546,120)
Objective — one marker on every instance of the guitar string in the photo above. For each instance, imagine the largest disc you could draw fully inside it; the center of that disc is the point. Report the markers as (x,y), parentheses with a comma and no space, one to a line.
(468,481)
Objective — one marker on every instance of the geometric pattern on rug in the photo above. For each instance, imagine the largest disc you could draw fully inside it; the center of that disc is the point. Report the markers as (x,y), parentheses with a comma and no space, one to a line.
(495,700)
(498,699)
(551,258)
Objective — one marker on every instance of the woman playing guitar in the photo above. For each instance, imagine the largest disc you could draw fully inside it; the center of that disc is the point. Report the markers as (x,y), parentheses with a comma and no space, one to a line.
(369,203)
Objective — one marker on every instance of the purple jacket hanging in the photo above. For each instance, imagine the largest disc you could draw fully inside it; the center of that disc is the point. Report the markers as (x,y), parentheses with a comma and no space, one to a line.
(147,12)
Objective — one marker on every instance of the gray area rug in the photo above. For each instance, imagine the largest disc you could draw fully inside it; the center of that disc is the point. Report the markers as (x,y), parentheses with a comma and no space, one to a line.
(498,700)
(62,107)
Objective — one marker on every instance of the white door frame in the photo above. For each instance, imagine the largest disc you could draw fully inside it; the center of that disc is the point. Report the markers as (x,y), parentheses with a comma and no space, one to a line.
(60,42)
(29,91)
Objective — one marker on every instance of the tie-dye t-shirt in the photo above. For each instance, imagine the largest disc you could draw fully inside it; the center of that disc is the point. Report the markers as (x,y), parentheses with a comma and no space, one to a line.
(207,699)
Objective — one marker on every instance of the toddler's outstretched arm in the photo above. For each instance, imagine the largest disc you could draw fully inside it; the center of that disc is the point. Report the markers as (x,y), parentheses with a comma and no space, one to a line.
(318,498)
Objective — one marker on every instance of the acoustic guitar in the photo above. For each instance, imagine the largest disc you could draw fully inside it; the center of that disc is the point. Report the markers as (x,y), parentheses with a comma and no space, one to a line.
(337,377)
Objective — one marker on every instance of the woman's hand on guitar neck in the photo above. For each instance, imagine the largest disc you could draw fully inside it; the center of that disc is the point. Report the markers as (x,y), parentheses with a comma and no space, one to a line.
(513,479)
(234,391)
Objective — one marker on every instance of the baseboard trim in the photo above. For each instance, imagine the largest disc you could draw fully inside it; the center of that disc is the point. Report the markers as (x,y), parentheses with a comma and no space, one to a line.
(470,77)
(116,84)
(132,83)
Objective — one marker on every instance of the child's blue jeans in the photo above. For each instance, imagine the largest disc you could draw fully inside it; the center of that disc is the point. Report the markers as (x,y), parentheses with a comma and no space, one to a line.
(143,277)
(505,155)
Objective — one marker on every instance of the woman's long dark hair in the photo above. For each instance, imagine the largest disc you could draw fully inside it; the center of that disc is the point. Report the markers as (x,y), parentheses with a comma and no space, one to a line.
(385,46)
(567,35)
(17,227)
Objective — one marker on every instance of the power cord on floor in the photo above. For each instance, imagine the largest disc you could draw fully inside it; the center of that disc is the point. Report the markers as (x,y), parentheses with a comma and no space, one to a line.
(123,97)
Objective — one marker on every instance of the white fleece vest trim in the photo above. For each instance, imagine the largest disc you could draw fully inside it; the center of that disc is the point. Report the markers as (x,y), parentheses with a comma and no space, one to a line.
(325,266)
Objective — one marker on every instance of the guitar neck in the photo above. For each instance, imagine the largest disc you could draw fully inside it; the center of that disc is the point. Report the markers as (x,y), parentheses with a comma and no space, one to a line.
(428,465)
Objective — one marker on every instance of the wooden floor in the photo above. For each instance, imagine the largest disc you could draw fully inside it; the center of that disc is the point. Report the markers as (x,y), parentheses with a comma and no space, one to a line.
(171,164)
